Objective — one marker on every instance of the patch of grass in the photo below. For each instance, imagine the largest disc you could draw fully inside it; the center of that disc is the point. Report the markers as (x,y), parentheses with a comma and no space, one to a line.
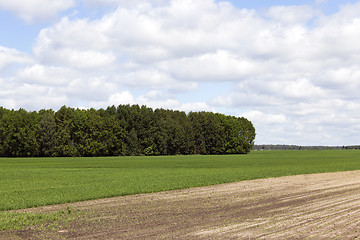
(10,220)
(31,182)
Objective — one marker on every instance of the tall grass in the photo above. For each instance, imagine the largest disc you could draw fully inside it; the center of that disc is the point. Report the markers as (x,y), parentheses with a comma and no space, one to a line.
(30,182)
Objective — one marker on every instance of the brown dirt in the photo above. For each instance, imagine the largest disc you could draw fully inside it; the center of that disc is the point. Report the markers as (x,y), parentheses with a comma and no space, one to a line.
(316,206)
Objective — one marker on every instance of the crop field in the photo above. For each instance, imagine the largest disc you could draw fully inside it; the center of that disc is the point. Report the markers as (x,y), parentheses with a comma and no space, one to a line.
(268,207)
(32,182)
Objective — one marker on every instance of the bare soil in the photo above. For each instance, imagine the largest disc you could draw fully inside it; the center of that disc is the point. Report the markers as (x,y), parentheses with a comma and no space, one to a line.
(315,206)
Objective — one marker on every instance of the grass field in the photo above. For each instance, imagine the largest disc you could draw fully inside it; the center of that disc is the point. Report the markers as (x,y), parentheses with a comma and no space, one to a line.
(30,182)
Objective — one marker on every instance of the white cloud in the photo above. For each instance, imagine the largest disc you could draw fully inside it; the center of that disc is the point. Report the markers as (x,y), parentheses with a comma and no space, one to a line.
(122,3)
(271,92)
(40,86)
(155,99)
(195,107)
(153,78)
(291,14)
(302,88)
(121,98)
(81,59)
(30,96)
(48,76)
(34,10)
(10,56)
(335,36)
(89,88)
(147,78)
(147,34)
(76,44)
(264,118)
(218,66)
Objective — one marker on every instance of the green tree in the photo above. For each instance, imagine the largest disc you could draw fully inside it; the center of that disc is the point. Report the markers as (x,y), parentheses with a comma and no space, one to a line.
(19,133)
(198,125)
(64,139)
(47,130)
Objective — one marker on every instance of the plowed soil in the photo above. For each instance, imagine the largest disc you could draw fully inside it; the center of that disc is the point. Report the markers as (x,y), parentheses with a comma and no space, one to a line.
(316,206)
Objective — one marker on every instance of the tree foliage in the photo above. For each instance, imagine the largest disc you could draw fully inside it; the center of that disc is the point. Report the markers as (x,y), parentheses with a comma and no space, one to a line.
(122,130)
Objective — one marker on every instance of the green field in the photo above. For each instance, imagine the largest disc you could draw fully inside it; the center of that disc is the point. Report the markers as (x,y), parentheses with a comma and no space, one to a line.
(30,182)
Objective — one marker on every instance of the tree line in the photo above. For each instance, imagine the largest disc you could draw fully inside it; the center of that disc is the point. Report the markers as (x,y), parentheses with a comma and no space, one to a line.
(121,131)
(299,147)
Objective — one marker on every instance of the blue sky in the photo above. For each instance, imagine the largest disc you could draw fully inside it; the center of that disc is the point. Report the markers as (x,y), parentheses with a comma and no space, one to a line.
(291,67)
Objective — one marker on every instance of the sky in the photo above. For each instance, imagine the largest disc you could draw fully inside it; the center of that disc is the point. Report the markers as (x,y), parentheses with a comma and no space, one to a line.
(290,67)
